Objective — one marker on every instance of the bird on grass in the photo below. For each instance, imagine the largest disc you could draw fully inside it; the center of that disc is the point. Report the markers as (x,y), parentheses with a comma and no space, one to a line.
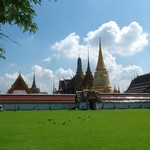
(54,122)
(63,123)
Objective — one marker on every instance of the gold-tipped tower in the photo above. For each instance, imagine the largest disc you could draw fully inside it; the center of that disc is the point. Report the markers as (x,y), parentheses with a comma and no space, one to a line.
(101,81)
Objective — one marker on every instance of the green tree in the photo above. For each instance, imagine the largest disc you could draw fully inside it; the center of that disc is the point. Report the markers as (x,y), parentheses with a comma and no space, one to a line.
(20,13)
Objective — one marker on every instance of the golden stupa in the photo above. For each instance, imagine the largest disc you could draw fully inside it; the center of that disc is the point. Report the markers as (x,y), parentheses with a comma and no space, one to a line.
(101,81)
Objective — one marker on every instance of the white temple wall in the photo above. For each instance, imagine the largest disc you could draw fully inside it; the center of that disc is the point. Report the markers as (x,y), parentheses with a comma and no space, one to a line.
(37,106)
(68,106)
(122,105)
(8,106)
(134,105)
(145,105)
(108,106)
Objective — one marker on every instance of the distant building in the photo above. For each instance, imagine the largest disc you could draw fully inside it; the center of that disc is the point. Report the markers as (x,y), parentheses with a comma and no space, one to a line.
(78,78)
(20,87)
(100,82)
(140,84)
(83,100)
(34,89)
(88,78)
(87,99)
(70,86)
(66,86)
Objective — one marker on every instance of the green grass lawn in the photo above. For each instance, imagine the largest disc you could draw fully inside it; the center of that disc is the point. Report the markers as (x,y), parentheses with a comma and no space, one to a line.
(75,130)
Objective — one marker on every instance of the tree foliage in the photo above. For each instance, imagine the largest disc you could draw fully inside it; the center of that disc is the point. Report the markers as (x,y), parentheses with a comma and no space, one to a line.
(20,13)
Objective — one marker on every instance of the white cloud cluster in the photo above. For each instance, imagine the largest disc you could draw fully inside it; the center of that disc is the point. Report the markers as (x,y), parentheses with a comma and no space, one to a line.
(64,74)
(126,41)
(6,81)
(70,47)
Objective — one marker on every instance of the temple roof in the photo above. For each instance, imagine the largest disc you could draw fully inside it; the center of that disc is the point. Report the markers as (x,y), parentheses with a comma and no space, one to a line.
(37,98)
(66,86)
(19,85)
(141,84)
(113,98)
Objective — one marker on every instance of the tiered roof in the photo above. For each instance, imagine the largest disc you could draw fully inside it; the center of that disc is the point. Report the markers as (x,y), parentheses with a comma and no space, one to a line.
(140,84)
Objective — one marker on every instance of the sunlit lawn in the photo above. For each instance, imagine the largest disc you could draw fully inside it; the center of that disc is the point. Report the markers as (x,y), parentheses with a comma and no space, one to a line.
(75,130)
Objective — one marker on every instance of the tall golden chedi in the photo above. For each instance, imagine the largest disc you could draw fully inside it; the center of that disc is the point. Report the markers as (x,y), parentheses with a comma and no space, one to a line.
(101,81)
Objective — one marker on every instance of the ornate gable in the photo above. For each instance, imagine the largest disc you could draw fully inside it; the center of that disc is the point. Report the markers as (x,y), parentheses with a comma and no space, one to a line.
(19,85)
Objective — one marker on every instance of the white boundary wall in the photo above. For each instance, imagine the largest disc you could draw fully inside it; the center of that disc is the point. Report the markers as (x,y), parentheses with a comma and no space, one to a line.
(84,105)
(39,106)
(69,106)
(122,105)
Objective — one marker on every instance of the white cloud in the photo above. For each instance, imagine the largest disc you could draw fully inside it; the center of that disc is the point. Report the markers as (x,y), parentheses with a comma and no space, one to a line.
(44,77)
(120,75)
(70,47)
(48,59)
(126,41)
(64,74)
(6,81)
(13,64)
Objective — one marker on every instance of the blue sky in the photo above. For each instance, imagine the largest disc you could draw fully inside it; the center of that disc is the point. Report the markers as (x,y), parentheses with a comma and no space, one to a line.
(66,30)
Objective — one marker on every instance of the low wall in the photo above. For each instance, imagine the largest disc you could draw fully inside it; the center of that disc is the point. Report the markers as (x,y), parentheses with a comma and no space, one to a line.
(122,105)
(48,106)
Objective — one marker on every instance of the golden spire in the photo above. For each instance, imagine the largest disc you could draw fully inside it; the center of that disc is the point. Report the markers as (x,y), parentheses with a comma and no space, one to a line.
(101,78)
(100,64)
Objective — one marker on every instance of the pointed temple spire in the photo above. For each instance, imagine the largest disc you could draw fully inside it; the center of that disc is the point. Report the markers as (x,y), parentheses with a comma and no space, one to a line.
(88,65)
(100,64)
(79,67)
(34,89)
(101,81)
(34,83)
(118,88)
(78,78)
(88,79)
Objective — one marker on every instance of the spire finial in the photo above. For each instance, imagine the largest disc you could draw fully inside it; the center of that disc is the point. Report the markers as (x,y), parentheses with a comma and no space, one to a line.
(118,88)
(88,67)
(99,42)
(19,72)
(54,89)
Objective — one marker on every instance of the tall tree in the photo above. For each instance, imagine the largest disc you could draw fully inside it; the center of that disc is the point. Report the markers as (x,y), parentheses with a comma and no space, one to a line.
(20,13)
